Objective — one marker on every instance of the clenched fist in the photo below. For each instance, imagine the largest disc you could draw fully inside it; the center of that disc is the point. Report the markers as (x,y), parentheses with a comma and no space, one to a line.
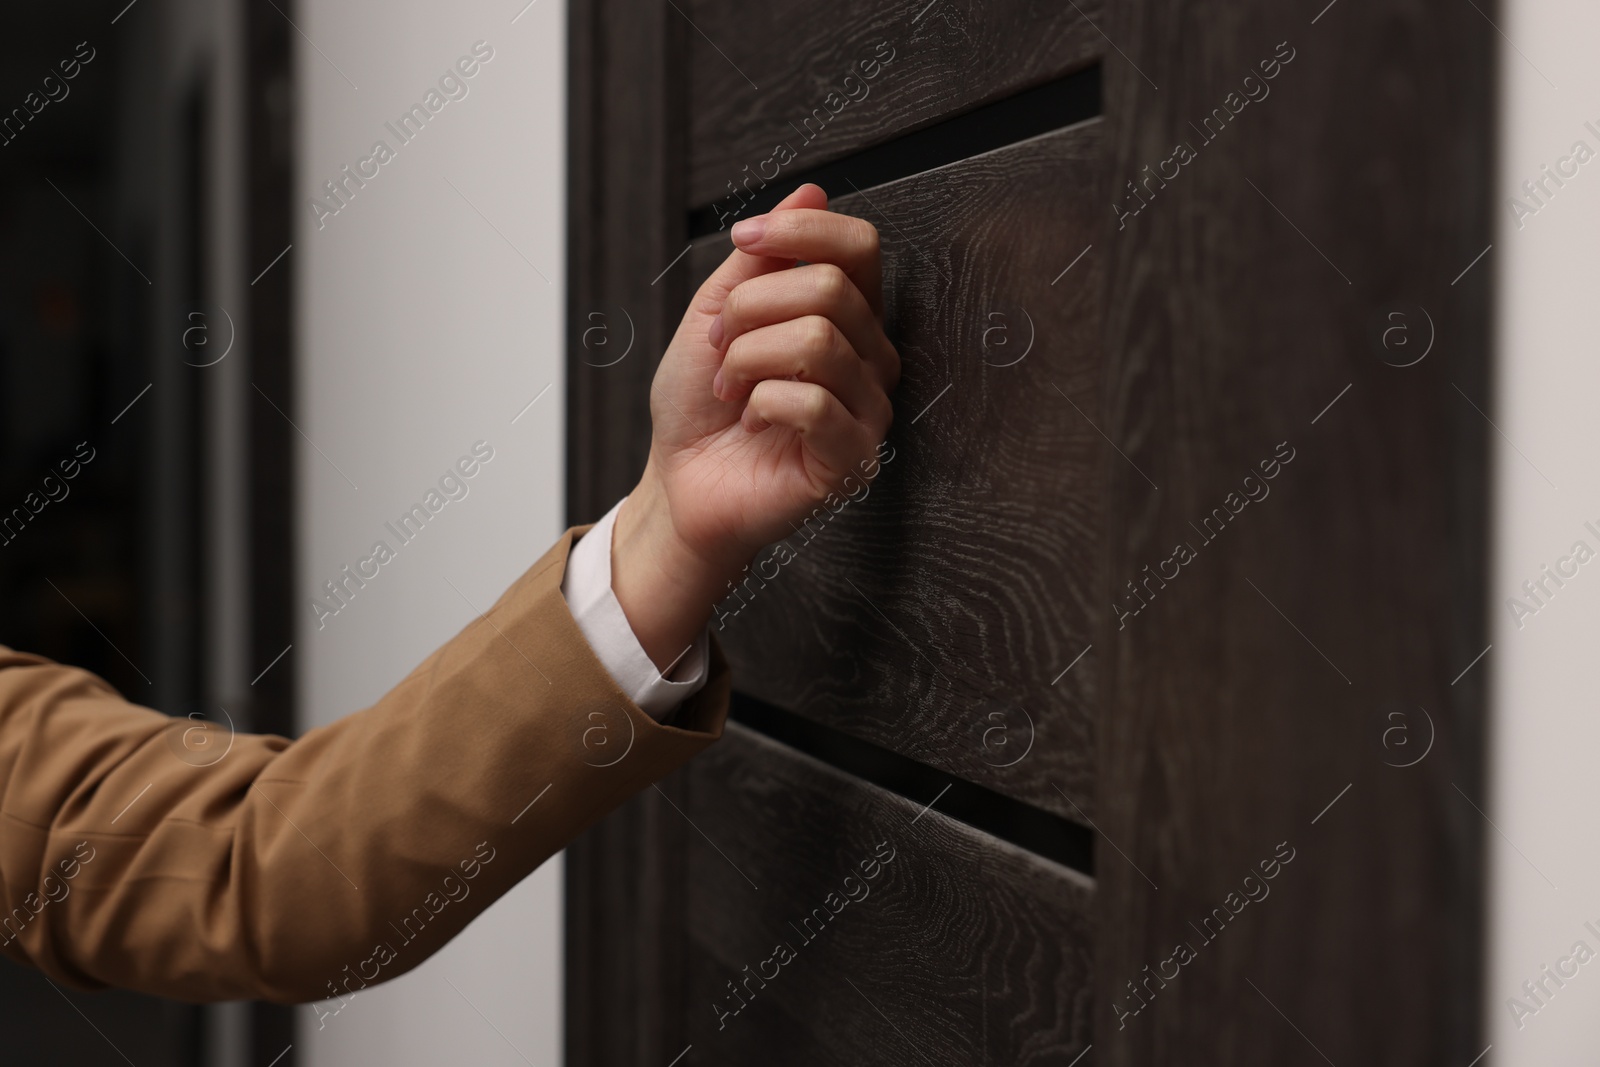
(775,388)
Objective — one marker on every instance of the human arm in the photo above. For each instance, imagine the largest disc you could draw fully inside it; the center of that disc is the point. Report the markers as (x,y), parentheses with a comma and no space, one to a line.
(773,392)
(269,871)
(304,870)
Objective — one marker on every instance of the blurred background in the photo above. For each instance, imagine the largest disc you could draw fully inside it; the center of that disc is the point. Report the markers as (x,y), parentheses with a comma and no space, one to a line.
(246,388)
(245,398)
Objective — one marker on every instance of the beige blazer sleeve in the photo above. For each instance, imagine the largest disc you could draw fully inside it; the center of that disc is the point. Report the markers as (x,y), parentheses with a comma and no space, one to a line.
(298,870)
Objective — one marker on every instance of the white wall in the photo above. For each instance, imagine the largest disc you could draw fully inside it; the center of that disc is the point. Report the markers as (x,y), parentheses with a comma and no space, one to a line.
(421,329)
(1545,745)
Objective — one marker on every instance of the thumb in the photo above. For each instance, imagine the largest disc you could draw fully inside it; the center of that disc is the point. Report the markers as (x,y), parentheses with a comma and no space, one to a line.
(742,266)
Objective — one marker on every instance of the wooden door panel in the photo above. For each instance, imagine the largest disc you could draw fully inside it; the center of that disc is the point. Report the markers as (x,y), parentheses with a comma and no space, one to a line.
(1245,703)
(936,613)
(942,58)
(941,624)
(937,945)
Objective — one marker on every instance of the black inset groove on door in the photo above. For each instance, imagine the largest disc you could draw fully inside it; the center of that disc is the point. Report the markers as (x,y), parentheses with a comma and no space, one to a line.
(1051,106)
(1041,832)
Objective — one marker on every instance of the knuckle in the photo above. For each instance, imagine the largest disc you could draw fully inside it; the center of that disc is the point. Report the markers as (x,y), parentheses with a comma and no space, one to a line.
(738,299)
(708,303)
(881,417)
(832,283)
(814,405)
(818,337)
(783,227)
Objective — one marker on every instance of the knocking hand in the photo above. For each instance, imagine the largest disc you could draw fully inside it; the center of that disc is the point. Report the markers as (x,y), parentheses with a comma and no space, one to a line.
(773,391)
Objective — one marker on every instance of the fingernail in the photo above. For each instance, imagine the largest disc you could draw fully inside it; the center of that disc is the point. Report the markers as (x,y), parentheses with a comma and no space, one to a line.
(714,335)
(716,384)
(749,231)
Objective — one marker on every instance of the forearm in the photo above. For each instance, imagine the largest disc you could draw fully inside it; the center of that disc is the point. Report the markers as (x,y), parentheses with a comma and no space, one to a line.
(271,871)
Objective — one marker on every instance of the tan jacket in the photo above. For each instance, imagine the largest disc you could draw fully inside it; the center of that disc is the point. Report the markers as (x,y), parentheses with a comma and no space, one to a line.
(296,871)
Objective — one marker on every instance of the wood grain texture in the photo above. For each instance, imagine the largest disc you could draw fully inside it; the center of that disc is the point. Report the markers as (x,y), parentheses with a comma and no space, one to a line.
(1248,705)
(935,615)
(1256,687)
(959,951)
(757,72)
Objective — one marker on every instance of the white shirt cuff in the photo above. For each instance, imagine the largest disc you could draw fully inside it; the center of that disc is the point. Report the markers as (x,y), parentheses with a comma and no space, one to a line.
(587,589)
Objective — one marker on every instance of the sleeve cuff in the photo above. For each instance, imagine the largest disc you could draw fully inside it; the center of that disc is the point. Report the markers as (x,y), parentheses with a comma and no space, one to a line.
(586,587)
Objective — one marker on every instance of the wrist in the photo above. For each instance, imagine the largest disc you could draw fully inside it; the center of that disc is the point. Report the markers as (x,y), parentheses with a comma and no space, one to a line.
(665,586)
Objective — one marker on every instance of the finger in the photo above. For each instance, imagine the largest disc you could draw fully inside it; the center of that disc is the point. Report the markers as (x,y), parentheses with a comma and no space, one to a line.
(811,235)
(809,349)
(741,266)
(814,289)
(837,442)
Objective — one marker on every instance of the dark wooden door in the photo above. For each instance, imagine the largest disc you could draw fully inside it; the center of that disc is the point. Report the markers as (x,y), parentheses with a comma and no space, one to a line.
(1124,717)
